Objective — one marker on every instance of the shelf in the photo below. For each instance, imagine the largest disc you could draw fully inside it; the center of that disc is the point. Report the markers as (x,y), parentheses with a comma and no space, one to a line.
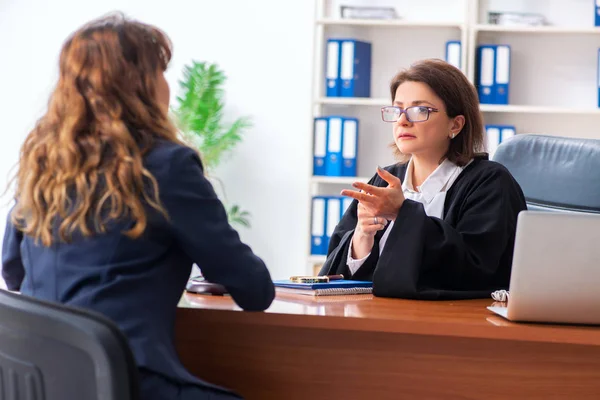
(354,101)
(536,29)
(537,109)
(339,180)
(388,23)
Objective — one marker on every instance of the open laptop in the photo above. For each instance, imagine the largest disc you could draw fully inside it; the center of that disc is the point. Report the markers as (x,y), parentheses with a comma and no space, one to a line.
(556,269)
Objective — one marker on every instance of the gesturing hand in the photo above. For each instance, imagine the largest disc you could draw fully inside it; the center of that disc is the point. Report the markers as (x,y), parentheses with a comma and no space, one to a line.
(368,224)
(382,202)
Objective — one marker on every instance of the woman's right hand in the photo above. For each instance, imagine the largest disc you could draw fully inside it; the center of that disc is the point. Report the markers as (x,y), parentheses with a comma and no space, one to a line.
(364,234)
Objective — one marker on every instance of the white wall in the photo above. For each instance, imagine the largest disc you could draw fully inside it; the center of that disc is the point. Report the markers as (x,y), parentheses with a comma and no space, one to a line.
(265,48)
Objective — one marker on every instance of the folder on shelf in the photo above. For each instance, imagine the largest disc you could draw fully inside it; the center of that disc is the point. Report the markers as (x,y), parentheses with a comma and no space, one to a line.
(346,201)
(453,53)
(502,81)
(334,213)
(496,134)
(492,139)
(486,61)
(320,146)
(349,146)
(598,78)
(332,71)
(506,132)
(333,162)
(355,68)
(318,245)
(597,12)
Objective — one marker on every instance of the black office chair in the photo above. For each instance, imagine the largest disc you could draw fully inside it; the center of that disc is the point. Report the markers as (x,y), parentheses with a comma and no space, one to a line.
(53,352)
(556,173)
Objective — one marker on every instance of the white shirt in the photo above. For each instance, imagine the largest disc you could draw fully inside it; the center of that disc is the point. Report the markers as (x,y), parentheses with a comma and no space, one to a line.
(432,194)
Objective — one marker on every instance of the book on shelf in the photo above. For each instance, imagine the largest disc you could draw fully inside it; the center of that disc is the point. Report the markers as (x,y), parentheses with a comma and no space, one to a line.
(338,287)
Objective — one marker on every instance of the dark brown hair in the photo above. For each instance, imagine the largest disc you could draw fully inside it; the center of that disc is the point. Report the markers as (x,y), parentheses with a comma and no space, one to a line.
(82,164)
(459,97)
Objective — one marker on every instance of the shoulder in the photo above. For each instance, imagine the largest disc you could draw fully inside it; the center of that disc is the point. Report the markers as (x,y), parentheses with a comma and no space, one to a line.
(484,173)
(482,168)
(166,158)
(164,150)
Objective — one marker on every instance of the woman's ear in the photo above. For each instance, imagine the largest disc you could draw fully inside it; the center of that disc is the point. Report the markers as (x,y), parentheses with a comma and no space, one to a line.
(456,125)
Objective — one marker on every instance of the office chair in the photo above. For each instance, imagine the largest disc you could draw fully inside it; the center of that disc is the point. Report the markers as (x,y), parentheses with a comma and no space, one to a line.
(52,352)
(556,173)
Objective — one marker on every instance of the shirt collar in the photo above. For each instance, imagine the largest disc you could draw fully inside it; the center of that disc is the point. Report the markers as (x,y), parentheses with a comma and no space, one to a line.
(435,183)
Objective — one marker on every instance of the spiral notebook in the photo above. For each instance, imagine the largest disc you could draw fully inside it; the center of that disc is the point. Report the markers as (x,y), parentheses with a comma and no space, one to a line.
(338,287)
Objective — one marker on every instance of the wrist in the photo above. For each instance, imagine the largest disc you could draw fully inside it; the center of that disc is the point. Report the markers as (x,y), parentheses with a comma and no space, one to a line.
(361,244)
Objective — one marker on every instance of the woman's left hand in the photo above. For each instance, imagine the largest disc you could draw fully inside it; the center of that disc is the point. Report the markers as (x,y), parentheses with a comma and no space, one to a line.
(383,202)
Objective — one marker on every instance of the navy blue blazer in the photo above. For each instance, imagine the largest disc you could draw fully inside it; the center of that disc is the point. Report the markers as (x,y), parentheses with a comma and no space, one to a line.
(138,282)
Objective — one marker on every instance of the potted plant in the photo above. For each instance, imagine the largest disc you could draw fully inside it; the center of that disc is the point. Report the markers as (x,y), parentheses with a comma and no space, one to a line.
(199,116)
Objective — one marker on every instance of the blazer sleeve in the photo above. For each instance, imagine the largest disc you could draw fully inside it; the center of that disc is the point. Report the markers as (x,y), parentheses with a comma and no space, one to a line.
(12,265)
(427,258)
(199,223)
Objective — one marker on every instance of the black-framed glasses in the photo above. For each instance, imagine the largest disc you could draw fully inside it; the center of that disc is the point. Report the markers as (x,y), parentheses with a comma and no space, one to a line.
(413,114)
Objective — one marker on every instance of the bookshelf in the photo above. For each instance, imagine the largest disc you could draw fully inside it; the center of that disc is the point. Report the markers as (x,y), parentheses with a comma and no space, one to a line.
(553,87)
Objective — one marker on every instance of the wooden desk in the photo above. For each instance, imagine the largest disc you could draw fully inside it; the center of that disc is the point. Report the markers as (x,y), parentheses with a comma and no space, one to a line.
(375,348)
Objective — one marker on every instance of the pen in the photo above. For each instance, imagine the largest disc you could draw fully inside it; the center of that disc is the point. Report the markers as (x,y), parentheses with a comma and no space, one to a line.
(335,277)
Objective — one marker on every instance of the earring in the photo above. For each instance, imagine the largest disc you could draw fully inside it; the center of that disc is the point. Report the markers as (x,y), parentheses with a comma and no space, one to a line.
(452,136)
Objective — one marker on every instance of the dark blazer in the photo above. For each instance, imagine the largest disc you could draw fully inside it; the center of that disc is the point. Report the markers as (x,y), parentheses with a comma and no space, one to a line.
(467,254)
(138,283)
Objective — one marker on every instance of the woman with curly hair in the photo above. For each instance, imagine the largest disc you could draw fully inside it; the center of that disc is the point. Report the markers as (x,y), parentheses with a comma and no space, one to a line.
(112,210)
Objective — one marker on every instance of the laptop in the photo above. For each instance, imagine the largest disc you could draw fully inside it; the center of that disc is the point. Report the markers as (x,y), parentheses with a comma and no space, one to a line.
(556,269)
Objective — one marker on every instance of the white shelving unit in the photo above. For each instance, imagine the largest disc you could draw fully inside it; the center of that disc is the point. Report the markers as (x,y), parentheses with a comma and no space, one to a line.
(553,87)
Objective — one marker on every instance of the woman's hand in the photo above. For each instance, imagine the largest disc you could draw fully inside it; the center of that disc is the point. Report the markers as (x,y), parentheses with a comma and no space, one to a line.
(364,234)
(383,202)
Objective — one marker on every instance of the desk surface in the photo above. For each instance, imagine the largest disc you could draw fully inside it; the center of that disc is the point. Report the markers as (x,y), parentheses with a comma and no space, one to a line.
(463,318)
(365,347)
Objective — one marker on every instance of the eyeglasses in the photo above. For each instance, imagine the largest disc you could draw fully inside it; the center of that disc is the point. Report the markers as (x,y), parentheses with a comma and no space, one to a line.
(413,114)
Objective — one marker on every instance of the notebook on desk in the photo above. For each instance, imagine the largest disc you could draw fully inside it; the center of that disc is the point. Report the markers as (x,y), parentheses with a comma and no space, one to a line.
(556,269)
(338,287)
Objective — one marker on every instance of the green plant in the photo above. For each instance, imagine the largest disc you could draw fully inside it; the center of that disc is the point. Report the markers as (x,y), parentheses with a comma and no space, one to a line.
(199,116)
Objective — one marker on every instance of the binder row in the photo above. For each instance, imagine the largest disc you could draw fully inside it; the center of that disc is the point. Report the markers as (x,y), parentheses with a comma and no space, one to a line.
(496,134)
(493,73)
(348,69)
(326,214)
(335,146)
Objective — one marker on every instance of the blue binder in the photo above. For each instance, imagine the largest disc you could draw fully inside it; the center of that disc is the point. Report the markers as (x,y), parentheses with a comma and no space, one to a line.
(333,215)
(320,146)
(502,72)
(486,62)
(598,78)
(318,242)
(355,68)
(492,139)
(349,146)
(597,12)
(333,161)
(332,70)
(346,201)
(453,53)
(506,132)
(496,134)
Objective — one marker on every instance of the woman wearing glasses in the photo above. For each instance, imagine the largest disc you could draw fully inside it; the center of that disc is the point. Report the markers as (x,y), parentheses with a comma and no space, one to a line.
(441,222)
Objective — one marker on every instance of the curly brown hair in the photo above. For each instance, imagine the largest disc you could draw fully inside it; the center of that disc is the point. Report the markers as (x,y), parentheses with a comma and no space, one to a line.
(82,165)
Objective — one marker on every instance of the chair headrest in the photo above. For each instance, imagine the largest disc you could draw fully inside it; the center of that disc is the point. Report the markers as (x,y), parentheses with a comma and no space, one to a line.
(554,172)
